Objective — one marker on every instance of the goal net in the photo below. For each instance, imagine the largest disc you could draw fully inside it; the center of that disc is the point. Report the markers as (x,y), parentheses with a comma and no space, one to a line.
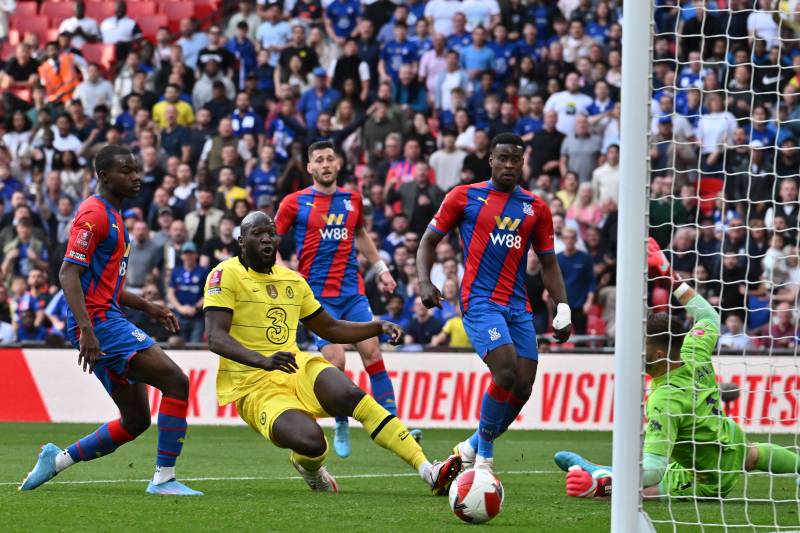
(723,127)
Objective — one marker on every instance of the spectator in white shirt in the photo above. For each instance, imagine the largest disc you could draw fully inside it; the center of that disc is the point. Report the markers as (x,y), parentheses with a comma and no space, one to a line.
(448,161)
(82,28)
(120,29)
(605,178)
(440,15)
(761,23)
(245,14)
(191,42)
(63,139)
(94,90)
(714,129)
(484,13)
(568,104)
(734,336)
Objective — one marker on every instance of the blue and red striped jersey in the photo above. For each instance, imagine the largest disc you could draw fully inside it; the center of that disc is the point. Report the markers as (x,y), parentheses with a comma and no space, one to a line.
(497,228)
(324,230)
(99,241)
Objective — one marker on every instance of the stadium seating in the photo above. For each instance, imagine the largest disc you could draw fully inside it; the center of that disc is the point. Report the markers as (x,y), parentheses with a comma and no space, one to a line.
(141,10)
(99,10)
(34,24)
(102,54)
(151,24)
(58,11)
(177,11)
(25,10)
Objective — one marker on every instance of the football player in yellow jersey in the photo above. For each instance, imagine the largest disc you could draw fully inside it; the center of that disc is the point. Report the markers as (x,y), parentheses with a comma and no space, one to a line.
(253,308)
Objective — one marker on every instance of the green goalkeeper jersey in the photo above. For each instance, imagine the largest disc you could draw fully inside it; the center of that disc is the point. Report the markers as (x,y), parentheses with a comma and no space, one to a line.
(686,422)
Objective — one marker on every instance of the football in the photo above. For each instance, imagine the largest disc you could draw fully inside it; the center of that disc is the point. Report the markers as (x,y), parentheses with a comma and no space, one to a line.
(476,496)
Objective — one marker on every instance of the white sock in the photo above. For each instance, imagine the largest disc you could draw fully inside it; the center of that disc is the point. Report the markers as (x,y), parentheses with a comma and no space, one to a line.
(484,462)
(426,472)
(467,450)
(163,474)
(63,461)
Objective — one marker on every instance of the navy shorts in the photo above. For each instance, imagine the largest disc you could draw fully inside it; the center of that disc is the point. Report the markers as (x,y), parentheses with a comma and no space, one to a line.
(119,342)
(490,325)
(353,308)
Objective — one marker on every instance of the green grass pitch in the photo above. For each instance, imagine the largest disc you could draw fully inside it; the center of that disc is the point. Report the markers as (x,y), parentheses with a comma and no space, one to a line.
(250,486)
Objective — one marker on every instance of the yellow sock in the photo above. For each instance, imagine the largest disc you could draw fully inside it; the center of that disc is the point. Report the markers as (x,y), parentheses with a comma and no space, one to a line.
(311,464)
(388,432)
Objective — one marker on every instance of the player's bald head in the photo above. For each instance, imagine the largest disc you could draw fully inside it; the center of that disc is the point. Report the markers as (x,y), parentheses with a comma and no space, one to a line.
(253,219)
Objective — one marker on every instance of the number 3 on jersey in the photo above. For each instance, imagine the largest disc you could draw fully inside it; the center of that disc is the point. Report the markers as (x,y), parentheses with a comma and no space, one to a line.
(278,331)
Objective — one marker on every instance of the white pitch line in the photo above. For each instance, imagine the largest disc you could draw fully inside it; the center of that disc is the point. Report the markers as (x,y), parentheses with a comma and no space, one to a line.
(270,478)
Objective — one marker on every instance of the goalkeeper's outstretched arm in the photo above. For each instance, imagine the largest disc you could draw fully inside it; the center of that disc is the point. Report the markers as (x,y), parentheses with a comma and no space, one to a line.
(697,306)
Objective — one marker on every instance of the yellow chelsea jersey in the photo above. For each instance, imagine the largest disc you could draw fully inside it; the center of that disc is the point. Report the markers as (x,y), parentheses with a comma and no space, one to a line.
(267,309)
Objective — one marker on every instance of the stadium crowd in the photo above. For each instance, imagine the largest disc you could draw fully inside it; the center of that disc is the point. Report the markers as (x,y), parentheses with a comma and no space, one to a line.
(411,93)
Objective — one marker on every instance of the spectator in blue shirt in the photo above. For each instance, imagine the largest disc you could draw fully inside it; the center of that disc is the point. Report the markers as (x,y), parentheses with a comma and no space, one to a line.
(409,92)
(185,293)
(244,120)
(386,33)
(477,57)
(244,51)
(395,313)
(28,330)
(263,179)
(505,53)
(397,52)
(56,312)
(760,129)
(318,99)
(341,18)
(460,38)
(578,272)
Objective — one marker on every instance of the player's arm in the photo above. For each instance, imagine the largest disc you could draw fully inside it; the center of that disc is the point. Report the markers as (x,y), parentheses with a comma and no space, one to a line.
(70,278)
(554,283)
(426,254)
(364,244)
(697,306)
(156,311)
(446,218)
(220,341)
(344,332)
(544,247)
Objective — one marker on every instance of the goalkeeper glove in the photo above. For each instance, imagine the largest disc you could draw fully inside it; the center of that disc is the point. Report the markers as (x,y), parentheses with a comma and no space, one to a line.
(658,266)
(582,484)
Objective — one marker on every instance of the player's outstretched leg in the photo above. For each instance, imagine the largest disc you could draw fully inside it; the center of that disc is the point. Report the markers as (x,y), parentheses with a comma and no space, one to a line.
(152,366)
(379,380)
(131,399)
(300,433)
(339,396)
(334,353)
(768,457)
(566,459)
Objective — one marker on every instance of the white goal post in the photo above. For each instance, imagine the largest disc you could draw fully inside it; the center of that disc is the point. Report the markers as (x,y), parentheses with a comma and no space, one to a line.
(727,74)
(626,514)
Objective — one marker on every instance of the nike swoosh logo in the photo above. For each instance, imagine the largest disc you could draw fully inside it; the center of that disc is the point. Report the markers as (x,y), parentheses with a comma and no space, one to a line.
(770,81)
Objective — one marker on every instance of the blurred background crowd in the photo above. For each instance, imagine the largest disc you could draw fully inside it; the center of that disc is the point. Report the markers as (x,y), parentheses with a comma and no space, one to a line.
(220,99)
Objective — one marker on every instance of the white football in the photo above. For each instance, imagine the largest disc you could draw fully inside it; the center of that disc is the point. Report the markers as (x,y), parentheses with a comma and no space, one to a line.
(476,496)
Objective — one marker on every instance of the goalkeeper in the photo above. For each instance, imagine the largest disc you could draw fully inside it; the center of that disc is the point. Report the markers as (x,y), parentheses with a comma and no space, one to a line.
(691,448)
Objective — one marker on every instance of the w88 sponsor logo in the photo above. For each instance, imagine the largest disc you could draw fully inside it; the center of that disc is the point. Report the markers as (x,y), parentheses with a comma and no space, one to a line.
(509,240)
(335,233)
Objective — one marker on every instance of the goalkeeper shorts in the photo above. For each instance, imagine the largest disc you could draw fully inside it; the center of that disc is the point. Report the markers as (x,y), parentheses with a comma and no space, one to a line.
(283,392)
(724,467)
